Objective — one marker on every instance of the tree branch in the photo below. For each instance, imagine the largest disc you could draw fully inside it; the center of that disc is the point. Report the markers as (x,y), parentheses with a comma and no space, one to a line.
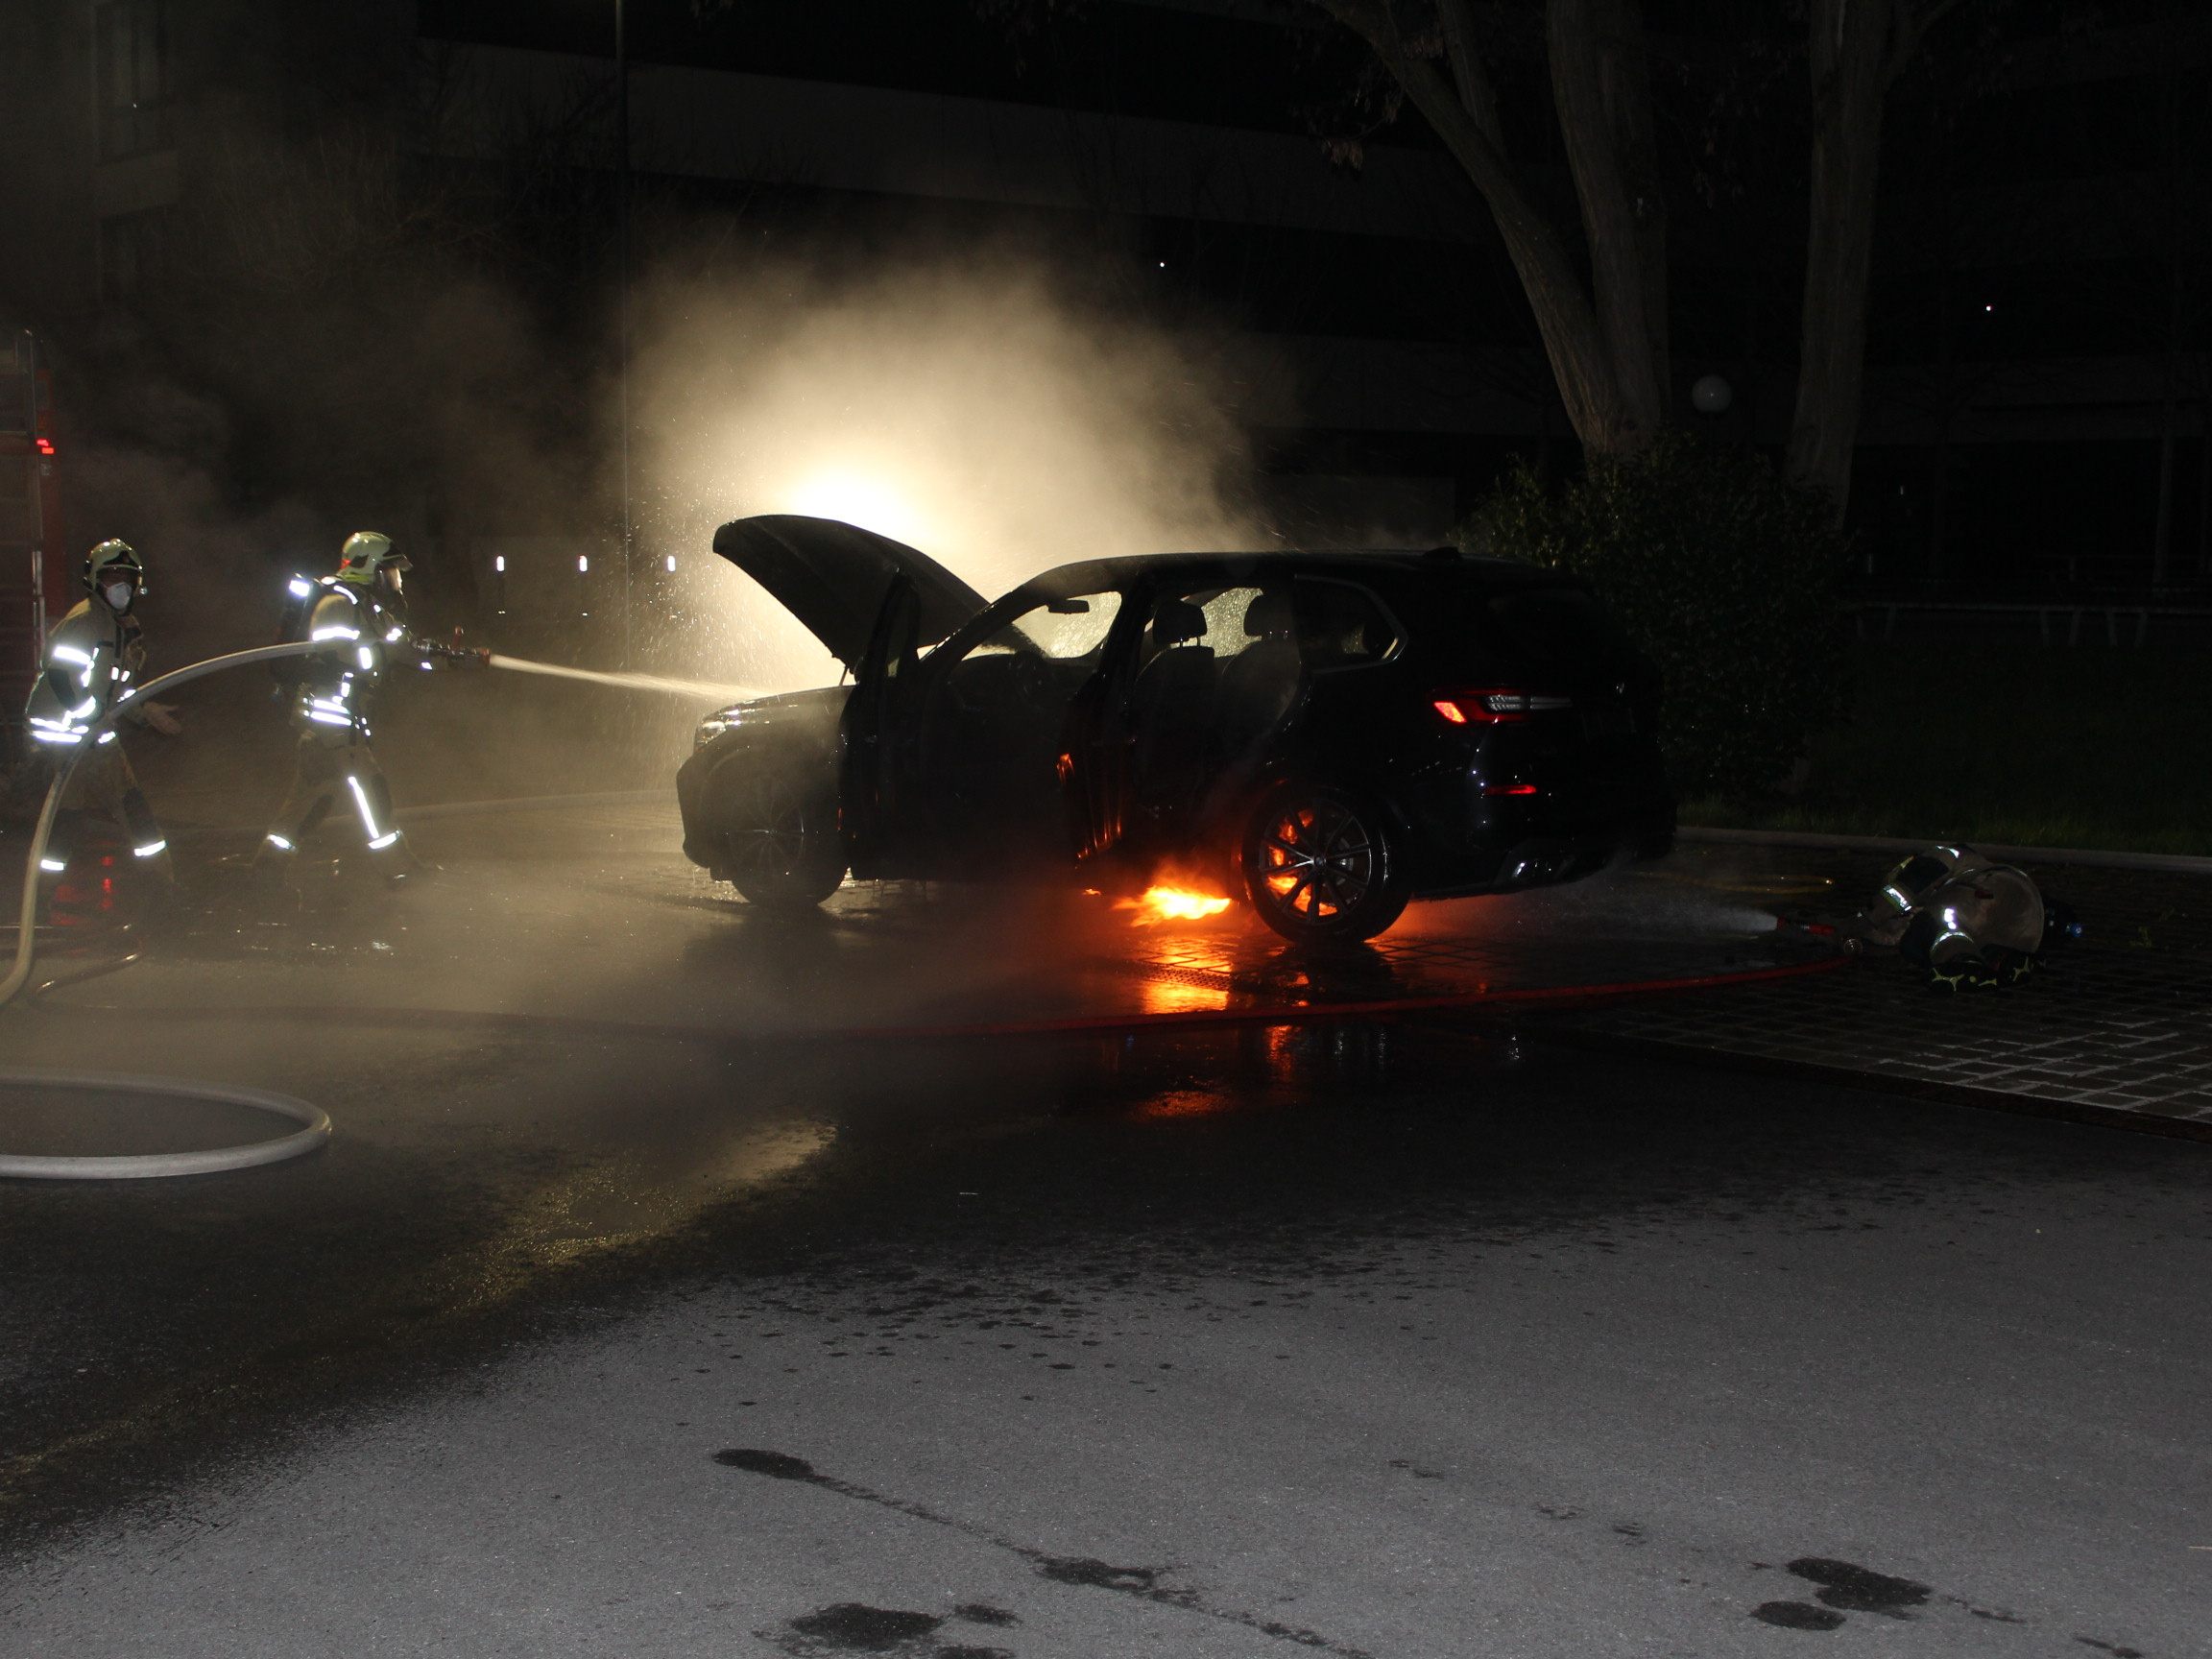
(1439,102)
(1588,377)
(1469,73)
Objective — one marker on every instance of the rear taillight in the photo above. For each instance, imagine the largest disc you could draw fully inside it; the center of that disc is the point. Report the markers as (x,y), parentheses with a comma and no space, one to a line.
(1494,705)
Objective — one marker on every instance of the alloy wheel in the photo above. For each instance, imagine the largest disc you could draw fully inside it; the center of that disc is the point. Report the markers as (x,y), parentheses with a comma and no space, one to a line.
(783,850)
(1317,859)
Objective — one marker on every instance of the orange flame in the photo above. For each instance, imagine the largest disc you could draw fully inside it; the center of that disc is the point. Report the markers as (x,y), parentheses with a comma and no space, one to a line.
(1172,905)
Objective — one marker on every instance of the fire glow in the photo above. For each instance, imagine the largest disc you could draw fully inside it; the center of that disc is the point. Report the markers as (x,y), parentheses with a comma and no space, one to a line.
(1172,905)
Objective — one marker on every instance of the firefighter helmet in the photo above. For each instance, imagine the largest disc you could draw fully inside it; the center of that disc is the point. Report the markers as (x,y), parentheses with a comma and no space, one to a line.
(110,560)
(368,555)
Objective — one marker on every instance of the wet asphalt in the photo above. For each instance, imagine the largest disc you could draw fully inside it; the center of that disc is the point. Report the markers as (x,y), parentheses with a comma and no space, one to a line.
(650,1300)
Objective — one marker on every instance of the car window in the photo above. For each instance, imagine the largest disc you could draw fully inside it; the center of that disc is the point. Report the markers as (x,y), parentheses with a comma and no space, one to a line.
(1226,614)
(1059,630)
(1340,625)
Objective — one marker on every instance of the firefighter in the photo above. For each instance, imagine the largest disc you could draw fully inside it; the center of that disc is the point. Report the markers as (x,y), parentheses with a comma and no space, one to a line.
(92,656)
(1967,923)
(359,614)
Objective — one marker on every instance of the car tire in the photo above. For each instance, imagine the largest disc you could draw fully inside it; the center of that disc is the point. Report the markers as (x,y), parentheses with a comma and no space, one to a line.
(778,841)
(1322,866)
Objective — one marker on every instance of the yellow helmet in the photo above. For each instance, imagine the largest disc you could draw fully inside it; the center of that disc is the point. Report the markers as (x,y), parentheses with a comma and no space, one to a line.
(117,556)
(367,554)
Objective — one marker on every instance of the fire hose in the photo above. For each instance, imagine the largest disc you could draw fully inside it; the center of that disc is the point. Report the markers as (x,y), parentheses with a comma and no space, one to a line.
(315,1123)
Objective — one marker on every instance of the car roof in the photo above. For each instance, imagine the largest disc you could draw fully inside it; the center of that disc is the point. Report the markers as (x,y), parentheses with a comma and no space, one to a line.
(1094,575)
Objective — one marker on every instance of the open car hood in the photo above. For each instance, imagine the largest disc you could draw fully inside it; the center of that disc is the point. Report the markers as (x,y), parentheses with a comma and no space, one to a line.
(833,576)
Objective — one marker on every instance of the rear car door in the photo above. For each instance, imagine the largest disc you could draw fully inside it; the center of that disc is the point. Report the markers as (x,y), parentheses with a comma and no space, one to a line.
(1214,672)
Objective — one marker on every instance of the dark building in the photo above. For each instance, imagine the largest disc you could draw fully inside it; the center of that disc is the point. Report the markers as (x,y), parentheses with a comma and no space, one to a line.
(2038,395)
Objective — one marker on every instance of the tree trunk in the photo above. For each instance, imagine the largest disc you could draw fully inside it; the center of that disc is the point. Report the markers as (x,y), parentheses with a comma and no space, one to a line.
(1849,46)
(1609,380)
(1601,87)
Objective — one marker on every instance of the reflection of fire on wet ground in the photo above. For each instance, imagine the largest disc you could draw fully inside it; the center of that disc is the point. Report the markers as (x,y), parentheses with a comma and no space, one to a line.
(1195,1074)
(1185,973)
(1467,948)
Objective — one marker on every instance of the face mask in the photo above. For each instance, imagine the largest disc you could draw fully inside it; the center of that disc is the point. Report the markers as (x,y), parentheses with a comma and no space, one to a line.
(118,595)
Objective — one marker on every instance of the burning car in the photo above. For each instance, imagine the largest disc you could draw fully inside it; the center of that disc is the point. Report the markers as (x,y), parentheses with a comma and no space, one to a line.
(1324,736)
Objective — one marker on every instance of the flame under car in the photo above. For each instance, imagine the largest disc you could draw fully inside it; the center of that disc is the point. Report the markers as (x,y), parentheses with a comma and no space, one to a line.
(1332,734)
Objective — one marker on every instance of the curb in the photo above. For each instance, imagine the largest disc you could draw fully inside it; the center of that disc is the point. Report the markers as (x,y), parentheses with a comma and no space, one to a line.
(2166,863)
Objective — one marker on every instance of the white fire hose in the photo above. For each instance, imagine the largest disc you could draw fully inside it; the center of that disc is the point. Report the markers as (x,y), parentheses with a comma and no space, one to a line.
(315,1130)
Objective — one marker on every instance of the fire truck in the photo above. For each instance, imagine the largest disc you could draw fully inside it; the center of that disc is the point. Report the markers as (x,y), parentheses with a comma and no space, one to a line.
(35,586)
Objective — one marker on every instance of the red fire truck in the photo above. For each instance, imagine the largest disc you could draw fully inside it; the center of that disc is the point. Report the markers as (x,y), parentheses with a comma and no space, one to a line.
(34,553)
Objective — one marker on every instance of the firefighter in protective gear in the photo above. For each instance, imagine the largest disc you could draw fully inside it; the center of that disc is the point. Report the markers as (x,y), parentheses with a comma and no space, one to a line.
(359,615)
(1967,923)
(92,656)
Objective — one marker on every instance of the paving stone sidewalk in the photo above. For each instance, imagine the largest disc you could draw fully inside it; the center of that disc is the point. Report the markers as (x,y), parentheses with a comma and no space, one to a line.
(2119,1027)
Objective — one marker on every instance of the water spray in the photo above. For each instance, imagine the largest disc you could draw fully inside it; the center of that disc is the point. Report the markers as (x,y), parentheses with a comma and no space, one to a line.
(701,690)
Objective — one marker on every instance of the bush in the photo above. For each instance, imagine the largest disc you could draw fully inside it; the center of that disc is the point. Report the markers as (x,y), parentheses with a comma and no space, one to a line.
(1723,573)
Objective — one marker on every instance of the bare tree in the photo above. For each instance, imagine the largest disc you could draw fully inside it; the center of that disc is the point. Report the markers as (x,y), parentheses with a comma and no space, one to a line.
(1605,337)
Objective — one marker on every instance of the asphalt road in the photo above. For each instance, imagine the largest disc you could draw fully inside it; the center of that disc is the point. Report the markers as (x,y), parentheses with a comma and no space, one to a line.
(1391,1341)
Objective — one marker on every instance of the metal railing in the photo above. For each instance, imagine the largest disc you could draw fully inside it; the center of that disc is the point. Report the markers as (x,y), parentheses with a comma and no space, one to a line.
(2128,621)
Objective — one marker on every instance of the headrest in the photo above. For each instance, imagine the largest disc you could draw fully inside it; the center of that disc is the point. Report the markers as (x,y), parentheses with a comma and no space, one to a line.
(1269,616)
(1177,622)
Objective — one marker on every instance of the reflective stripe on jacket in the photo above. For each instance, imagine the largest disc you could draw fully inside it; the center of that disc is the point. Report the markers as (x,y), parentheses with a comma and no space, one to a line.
(92,656)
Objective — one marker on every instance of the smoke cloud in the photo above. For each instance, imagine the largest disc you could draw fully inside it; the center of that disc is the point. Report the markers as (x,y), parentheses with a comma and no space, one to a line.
(971,408)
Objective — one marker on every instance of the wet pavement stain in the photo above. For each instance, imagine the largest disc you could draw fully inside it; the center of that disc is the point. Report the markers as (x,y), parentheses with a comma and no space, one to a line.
(774,1464)
(2112,1648)
(1099,1575)
(1857,1588)
(1080,1571)
(855,1627)
(1415,1469)
(1797,1615)
(984,1613)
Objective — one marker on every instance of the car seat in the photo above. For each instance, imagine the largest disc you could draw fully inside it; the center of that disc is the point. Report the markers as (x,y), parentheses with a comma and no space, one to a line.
(1261,683)
(1171,705)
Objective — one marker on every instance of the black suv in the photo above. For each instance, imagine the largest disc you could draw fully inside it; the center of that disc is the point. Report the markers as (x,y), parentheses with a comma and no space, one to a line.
(1325,735)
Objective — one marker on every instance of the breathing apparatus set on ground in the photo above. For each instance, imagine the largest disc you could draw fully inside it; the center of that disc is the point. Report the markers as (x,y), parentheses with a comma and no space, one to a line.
(1966,922)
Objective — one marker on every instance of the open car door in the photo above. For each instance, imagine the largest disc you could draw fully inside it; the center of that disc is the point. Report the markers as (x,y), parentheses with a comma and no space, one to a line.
(875,735)
(837,577)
